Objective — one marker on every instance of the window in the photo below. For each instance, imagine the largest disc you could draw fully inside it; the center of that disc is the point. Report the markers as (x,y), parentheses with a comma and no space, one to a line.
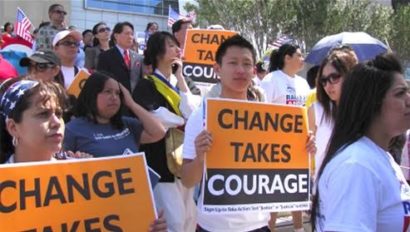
(158,7)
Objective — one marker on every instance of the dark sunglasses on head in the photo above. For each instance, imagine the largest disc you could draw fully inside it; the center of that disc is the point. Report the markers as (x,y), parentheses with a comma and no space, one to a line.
(60,12)
(332,78)
(104,29)
(69,43)
(43,66)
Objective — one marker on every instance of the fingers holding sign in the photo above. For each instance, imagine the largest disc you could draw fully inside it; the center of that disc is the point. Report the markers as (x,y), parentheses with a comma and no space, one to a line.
(159,224)
(311,143)
(203,143)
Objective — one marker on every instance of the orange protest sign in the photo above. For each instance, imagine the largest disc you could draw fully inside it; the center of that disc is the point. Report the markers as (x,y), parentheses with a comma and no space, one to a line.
(201,45)
(199,53)
(78,83)
(257,158)
(105,194)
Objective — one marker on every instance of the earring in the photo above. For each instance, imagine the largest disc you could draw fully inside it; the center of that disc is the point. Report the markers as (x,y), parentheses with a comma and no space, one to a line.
(15,141)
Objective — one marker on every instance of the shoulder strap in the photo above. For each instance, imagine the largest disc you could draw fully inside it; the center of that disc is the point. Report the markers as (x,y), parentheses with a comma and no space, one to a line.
(76,70)
(168,93)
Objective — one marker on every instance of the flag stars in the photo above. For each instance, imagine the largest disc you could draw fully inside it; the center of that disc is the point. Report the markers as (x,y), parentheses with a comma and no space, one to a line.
(20,93)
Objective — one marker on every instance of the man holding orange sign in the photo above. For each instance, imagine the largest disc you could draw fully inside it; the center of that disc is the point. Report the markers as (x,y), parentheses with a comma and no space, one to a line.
(236,154)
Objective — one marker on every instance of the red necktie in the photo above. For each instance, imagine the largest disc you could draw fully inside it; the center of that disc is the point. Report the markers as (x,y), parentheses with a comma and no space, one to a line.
(127,58)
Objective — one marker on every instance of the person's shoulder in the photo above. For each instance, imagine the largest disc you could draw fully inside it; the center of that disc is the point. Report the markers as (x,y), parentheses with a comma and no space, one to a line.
(91,50)
(358,152)
(77,123)
(129,120)
(146,82)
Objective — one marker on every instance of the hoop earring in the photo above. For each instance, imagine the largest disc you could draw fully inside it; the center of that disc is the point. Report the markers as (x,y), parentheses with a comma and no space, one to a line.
(15,141)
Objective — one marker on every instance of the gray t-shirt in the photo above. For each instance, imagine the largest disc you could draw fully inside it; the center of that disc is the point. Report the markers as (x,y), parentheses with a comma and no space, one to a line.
(102,140)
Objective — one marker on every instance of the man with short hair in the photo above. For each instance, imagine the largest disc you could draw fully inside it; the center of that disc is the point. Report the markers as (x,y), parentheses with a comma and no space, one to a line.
(179,30)
(66,44)
(235,65)
(124,64)
(56,14)
(88,38)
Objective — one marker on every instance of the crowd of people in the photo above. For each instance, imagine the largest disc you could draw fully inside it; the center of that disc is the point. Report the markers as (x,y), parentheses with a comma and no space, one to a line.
(358,116)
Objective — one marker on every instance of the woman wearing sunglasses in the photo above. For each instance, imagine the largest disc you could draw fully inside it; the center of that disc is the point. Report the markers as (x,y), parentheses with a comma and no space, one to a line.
(101,40)
(331,75)
(43,65)
(359,186)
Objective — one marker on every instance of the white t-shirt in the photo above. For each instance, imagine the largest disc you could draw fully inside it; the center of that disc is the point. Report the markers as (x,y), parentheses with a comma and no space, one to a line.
(69,74)
(283,89)
(256,81)
(220,222)
(324,129)
(362,189)
(405,157)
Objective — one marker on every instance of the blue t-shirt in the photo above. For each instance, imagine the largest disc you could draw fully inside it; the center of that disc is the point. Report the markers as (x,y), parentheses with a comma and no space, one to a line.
(102,140)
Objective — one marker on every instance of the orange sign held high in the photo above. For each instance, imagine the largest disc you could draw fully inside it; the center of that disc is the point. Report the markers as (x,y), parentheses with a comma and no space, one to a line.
(78,83)
(199,53)
(105,194)
(258,160)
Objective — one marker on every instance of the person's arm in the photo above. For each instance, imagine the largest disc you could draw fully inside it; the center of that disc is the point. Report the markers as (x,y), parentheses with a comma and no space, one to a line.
(153,129)
(102,64)
(311,118)
(189,102)
(192,169)
(89,58)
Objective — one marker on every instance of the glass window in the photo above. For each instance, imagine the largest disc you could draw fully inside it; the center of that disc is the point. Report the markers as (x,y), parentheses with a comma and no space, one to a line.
(158,7)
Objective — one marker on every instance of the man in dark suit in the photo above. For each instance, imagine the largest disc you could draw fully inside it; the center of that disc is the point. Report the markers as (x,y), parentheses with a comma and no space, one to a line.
(124,64)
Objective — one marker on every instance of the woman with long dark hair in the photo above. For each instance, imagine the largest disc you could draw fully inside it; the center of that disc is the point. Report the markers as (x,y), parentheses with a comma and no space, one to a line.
(360,187)
(100,129)
(101,41)
(283,86)
(166,90)
(331,75)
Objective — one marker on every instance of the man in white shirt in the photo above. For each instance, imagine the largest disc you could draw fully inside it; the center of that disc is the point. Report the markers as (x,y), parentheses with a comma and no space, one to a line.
(66,44)
(235,62)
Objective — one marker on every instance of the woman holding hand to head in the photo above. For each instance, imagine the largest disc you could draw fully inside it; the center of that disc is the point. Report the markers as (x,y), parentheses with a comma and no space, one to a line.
(100,129)
(360,187)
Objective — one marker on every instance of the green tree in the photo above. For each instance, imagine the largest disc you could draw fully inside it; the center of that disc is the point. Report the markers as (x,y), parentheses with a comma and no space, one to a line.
(309,20)
(400,37)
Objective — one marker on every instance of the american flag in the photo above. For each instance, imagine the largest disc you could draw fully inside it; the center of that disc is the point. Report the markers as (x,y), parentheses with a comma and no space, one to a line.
(281,40)
(22,26)
(173,16)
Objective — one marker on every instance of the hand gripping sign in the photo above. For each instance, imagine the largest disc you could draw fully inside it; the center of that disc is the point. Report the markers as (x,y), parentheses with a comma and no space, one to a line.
(105,194)
(258,160)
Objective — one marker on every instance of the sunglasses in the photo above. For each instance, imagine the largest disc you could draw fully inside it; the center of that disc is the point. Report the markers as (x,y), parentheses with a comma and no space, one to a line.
(69,43)
(104,29)
(332,78)
(60,12)
(43,66)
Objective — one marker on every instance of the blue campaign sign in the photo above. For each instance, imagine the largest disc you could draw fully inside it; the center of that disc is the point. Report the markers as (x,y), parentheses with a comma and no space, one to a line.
(129,6)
